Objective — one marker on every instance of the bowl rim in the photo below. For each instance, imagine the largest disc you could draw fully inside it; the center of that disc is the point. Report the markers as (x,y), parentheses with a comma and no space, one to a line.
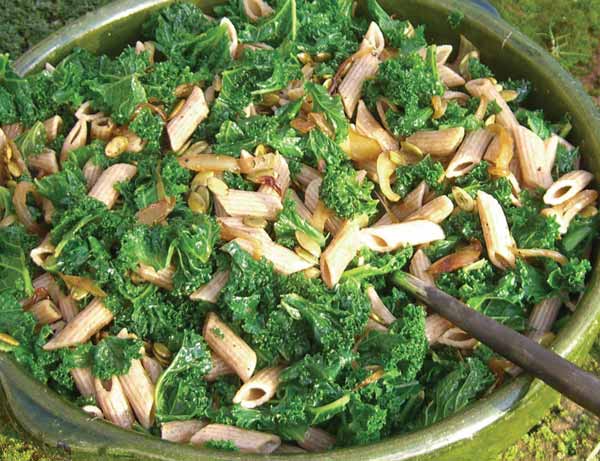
(509,403)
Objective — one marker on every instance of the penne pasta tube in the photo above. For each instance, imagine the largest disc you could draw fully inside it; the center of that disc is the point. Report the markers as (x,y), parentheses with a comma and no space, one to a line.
(281,179)
(13,130)
(469,153)
(233,38)
(81,328)
(367,125)
(47,282)
(76,138)
(373,325)
(567,186)
(532,158)
(311,194)
(162,278)
(419,267)
(67,305)
(339,253)
(255,204)
(210,292)
(46,162)
(209,162)
(461,258)
(435,327)
(229,346)
(219,368)
(411,203)
(378,308)
(316,440)
(104,190)
(86,113)
(284,260)
(91,173)
(45,312)
(441,143)
(139,391)
(256,9)
(383,239)
(566,211)
(303,211)
(544,314)
(152,367)
(449,77)
(259,389)
(435,211)
(285,448)
(498,240)
(363,68)
(306,175)
(442,53)
(484,88)
(111,399)
(183,125)
(181,431)
(84,381)
(551,147)
(102,128)
(232,228)
(457,338)
(246,441)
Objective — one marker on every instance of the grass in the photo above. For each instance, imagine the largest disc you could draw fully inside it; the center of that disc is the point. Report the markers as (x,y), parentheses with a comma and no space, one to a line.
(569,29)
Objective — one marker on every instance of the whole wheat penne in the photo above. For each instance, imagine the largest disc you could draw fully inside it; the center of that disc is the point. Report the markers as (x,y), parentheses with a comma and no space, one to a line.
(86,112)
(469,153)
(339,253)
(162,278)
(256,9)
(76,138)
(442,53)
(333,224)
(457,338)
(219,368)
(289,449)
(91,173)
(303,211)
(210,292)
(233,38)
(483,87)
(419,266)
(81,328)
(311,194)
(411,203)
(139,390)
(306,175)
(209,162)
(435,211)
(104,189)
(67,305)
(449,77)
(532,162)
(181,431)
(12,130)
(46,162)
(373,325)
(363,68)
(45,312)
(551,147)
(383,239)
(544,314)
(193,112)
(152,367)
(232,227)
(229,346)
(102,128)
(284,260)
(47,282)
(256,204)
(146,47)
(84,381)
(450,95)
(498,240)
(435,327)
(316,440)
(378,308)
(567,186)
(259,389)
(566,211)
(246,441)
(439,143)
(111,399)
(281,178)
(367,125)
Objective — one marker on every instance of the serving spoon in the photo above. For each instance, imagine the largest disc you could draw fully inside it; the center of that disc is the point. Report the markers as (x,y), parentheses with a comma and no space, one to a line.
(567,378)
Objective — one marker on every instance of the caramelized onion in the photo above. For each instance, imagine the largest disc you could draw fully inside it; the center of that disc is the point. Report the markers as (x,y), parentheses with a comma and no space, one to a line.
(20,202)
(462,258)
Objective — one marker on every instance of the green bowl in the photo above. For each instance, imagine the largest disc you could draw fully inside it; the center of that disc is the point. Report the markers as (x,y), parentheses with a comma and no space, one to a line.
(480,431)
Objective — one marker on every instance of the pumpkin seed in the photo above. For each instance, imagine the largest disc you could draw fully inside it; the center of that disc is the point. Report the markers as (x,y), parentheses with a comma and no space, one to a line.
(201,179)
(217,186)
(589,211)
(198,201)
(271,99)
(322,56)
(410,148)
(93,411)
(463,199)
(8,340)
(509,95)
(116,146)
(306,255)
(161,351)
(199,147)
(312,273)
(304,57)
(308,244)
(252,221)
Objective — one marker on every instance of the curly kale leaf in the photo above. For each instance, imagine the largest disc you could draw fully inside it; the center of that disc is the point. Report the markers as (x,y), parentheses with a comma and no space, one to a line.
(289,222)
(478,179)
(148,126)
(395,31)
(342,192)
(477,69)
(534,119)
(566,161)
(369,264)
(330,106)
(409,176)
(16,268)
(528,227)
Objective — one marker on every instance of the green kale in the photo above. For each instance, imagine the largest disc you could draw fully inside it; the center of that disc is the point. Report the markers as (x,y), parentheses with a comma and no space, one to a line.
(523,89)
(478,179)
(566,161)
(570,278)
(33,141)
(181,392)
(331,107)
(369,264)
(464,225)
(148,126)
(342,192)
(457,116)
(16,269)
(166,76)
(534,120)
(529,228)
(225,445)
(395,31)
(409,176)
(237,181)
(318,147)
(455,19)
(477,69)
(289,222)
(275,28)
(580,235)
(65,188)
